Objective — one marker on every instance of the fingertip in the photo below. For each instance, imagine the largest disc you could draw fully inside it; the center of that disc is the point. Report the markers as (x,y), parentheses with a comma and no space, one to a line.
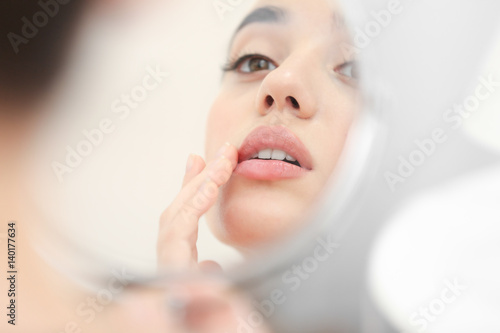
(199,162)
(194,166)
(190,163)
(232,155)
(209,266)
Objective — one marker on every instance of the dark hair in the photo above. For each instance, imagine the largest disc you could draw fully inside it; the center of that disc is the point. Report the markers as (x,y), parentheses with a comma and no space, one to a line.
(34,40)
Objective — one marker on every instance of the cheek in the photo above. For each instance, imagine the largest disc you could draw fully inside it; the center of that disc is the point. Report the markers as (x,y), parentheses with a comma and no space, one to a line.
(219,123)
(230,118)
(334,127)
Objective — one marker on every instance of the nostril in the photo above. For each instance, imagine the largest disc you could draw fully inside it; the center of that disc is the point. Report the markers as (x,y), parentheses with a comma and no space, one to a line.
(294,102)
(269,100)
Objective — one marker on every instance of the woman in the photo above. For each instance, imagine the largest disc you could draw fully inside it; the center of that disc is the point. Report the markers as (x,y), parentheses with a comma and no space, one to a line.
(274,133)
(33,57)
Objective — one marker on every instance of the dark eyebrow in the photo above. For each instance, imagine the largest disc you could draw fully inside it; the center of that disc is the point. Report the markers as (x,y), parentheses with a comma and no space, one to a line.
(269,14)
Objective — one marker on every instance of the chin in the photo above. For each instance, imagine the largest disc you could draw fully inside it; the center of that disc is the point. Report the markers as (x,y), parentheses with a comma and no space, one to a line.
(255,217)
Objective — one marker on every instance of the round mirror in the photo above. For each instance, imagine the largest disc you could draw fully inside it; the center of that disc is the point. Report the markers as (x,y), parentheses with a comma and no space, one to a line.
(239,166)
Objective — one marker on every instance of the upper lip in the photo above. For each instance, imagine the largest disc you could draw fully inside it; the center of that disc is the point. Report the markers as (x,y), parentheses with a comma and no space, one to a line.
(275,137)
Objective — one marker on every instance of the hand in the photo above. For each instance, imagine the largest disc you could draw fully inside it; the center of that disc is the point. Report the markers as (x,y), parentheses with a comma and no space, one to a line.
(203,305)
(178,233)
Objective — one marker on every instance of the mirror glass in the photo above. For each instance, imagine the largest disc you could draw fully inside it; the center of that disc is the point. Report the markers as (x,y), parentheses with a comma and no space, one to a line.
(122,173)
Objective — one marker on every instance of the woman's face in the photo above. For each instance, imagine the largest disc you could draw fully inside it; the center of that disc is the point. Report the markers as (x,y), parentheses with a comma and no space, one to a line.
(288,93)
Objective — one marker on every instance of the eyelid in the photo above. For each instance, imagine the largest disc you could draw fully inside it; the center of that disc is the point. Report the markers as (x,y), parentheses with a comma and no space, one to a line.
(234,64)
(347,63)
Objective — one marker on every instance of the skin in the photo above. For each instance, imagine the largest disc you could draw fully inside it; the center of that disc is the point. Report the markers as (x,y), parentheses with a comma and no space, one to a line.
(303,60)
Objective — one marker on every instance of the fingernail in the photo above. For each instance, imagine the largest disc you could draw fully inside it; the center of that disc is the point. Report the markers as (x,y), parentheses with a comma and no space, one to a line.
(222,149)
(190,162)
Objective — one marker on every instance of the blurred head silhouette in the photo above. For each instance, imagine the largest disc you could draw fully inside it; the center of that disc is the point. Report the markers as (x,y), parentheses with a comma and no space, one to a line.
(34,45)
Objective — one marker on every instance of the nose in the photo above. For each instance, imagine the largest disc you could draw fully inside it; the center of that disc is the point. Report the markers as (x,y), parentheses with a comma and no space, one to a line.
(289,88)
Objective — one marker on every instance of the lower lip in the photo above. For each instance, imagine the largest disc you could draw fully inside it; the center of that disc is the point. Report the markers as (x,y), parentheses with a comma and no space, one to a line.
(268,170)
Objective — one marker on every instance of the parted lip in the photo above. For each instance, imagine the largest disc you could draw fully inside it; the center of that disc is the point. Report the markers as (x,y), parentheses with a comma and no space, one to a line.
(275,137)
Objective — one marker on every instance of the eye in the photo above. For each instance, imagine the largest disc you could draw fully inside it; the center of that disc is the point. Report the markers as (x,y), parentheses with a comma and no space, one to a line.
(255,64)
(251,63)
(348,69)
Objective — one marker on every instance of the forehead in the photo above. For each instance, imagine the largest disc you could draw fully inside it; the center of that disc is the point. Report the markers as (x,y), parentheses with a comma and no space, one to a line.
(316,19)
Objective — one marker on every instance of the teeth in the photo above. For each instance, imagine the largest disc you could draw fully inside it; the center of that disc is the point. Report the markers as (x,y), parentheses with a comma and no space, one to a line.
(278,155)
(274,154)
(265,154)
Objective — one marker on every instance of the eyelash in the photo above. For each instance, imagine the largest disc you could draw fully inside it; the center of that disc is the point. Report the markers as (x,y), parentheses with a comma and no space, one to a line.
(233,64)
